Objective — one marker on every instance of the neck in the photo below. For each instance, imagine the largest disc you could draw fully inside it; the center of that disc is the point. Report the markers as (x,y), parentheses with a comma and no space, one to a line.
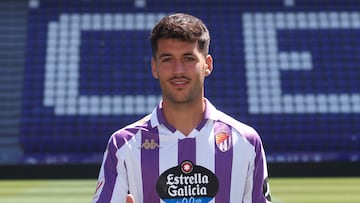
(184,117)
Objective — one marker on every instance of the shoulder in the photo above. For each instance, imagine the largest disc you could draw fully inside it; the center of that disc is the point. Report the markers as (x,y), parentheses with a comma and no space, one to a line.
(123,135)
(244,130)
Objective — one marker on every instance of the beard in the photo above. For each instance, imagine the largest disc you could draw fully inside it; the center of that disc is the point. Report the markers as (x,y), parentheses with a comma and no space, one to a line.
(182,95)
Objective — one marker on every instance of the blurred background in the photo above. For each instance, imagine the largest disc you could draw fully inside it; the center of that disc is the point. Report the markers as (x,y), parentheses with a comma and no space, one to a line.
(73,72)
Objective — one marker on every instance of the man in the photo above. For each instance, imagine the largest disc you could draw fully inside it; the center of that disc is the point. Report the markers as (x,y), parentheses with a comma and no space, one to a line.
(185,150)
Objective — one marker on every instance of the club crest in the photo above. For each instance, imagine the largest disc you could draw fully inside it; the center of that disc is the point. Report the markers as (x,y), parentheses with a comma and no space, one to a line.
(222,136)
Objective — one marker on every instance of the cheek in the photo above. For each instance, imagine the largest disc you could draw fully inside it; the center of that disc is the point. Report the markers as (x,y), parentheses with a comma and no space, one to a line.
(163,71)
(160,72)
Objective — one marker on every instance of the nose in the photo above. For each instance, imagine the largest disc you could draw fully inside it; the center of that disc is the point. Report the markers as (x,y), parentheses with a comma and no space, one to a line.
(178,67)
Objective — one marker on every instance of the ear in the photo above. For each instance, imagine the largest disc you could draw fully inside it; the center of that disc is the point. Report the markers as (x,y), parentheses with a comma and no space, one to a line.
(153,68)
(209,65)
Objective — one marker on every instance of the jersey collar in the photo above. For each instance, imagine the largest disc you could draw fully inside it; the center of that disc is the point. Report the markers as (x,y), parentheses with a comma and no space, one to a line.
(158,118)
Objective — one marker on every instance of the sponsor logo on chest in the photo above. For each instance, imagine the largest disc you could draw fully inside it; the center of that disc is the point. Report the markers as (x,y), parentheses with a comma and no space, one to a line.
(187,183)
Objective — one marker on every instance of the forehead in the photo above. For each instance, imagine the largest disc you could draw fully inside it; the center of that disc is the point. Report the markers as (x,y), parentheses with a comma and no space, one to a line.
(176,46)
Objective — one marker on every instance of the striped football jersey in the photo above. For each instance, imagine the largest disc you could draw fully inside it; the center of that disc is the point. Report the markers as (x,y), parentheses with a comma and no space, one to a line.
(221,161)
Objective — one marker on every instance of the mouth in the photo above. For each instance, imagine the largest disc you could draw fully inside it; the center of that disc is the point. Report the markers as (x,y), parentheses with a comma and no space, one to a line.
(179,82)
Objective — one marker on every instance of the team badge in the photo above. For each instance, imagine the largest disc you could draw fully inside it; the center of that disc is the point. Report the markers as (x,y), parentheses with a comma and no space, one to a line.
(222,136)
(187,183)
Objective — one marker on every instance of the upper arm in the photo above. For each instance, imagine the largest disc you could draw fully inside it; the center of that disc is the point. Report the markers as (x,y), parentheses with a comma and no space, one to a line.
(112,177)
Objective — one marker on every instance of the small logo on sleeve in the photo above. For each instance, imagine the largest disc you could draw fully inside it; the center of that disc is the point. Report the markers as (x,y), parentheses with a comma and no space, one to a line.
(187,183)
(98,189)
(266,190)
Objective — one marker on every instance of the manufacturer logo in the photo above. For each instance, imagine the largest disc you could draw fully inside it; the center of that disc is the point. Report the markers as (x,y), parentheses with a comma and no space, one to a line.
(187,183)
(149,144)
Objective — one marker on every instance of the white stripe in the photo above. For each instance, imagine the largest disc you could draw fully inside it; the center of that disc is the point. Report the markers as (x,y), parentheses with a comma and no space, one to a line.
(121,182)
(242,180)
(204,139)
(133,160)
(205,155)
(168,153)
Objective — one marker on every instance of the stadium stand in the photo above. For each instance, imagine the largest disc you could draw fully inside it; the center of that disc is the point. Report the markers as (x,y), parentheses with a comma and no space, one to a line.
(13,17)
(289,68)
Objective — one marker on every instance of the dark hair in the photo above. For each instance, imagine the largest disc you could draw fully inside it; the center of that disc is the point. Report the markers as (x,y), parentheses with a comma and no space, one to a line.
(181,26)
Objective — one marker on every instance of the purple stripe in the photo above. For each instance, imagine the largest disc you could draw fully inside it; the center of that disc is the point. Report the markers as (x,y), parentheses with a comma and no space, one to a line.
(150,165)
(258,178)
(110,173)
(207,115)
(187,150)
(201,124)
(162,120)
(223,164)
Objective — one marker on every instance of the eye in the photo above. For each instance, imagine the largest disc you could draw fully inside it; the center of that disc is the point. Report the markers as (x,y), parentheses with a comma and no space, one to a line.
(189,58)
(166,59)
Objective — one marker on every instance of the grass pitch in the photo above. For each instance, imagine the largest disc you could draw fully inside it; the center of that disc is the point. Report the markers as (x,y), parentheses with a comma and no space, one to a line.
(315,190)
(284,190)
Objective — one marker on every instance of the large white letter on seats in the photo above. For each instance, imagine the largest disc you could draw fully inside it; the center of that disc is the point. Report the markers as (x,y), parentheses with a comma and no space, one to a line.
(263,63)
(61,84)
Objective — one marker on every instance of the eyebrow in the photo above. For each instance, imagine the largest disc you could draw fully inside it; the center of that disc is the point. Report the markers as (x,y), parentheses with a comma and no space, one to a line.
(185,54)
(164,55)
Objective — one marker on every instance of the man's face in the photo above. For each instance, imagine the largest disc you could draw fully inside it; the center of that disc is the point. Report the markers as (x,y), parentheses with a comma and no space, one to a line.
(181,70)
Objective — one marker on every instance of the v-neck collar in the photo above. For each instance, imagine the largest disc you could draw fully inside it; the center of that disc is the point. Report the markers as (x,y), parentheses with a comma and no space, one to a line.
(158,117)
